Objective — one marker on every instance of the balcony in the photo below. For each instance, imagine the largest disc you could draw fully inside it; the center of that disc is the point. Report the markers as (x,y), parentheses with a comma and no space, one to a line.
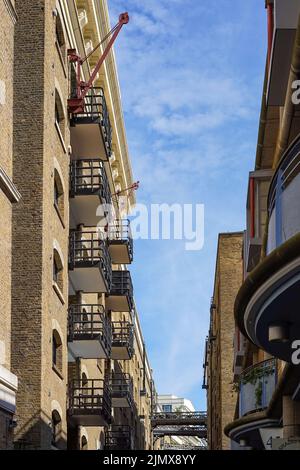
(120,242)
(257,384)
(91,131)
(89,263)
(286,14)
(118,438)
(121,390)
(120,298)
(89,189)
(259,182)
(89,403)
(122,341)
(267,304)
(89,332)
(256,420)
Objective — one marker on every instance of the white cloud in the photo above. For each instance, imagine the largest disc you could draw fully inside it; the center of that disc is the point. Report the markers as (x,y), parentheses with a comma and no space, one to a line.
(191,101)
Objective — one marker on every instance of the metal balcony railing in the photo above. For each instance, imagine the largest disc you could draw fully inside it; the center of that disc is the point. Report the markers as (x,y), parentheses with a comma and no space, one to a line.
(118,438)
(88,322)
(88,177)
(96,111)
(90,397)
(119,232)
(256,386)
(122,285)
(87,250)
(123,335)
(199,431)
(186,447)
(121,385)
(179,418)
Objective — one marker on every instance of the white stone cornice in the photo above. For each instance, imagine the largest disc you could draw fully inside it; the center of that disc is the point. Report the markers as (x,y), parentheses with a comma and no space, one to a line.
(8,187)
(11,10)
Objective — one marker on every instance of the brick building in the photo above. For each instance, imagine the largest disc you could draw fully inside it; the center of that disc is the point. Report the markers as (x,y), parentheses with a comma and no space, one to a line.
(221,396)
(72,354)
(265,336)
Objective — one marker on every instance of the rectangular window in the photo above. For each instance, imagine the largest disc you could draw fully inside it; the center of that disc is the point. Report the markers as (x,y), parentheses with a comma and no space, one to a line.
(167,408)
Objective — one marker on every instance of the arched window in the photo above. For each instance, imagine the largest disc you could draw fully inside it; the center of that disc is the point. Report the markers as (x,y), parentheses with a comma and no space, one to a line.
(84,443)
(59,114)
(56,427)
(57,270)
(58,194)
(56,351)
(60,38)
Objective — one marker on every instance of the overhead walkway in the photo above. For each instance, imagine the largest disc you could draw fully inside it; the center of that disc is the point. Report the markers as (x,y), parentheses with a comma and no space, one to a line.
(180,423)
(196,418)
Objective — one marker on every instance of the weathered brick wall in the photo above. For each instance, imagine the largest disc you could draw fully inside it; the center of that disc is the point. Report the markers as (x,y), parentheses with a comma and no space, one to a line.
(231,276)
(6,120)
(221,397)
(36,307)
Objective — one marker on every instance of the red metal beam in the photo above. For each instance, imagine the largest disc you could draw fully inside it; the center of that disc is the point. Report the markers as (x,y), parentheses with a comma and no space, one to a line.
(76,104)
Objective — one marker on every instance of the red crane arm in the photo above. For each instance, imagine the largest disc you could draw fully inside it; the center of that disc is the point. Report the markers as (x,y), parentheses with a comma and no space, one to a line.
(124,19)
(76,104)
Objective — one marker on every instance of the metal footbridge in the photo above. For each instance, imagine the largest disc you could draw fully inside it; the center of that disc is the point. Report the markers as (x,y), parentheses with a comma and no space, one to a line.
(181,423)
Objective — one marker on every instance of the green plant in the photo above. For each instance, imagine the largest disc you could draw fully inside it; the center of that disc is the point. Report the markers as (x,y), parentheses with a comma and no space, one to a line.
(258,394)
(254,375)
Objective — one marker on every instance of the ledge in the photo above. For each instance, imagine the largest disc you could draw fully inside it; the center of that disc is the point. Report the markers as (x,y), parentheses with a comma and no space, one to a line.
(61,59)
(59,215)
(57,371)
(8,187)
(58,292)
(61,139)
(8,388)
(11,10)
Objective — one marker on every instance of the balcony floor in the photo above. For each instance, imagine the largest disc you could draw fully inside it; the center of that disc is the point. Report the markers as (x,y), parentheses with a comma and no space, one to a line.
(121,353)
(87,140)
(119,252)
(86,210)
(118,303)
(88,418)
(88,349)
(87,279)
(120,402)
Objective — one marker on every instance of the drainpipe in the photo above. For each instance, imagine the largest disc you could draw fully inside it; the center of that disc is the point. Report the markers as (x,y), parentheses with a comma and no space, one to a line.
(270,12)
(288,110)
(262,122)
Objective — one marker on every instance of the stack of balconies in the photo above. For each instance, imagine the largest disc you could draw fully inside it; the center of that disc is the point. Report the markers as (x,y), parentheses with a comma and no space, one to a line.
(266,306)
(95,244)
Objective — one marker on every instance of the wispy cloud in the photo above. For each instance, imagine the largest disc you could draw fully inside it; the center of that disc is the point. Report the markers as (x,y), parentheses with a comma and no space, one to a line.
(191,76)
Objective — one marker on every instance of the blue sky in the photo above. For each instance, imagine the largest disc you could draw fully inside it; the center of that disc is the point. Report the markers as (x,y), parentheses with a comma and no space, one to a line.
(191,75)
